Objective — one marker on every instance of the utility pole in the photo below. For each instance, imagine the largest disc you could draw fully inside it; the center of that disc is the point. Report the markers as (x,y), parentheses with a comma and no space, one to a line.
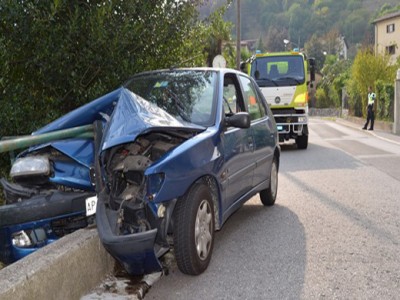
(238,34)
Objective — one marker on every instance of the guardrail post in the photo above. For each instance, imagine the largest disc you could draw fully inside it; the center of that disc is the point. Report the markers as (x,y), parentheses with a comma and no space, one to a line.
(396,124)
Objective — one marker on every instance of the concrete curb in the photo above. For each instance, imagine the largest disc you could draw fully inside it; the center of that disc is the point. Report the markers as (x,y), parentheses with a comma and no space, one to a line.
(378,124)
(383,132)
(67,269)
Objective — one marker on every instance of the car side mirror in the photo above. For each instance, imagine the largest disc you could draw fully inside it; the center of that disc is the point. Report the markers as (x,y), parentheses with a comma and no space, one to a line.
(239,120)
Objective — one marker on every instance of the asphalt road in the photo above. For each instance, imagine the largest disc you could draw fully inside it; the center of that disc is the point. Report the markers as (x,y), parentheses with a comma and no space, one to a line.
(334,232)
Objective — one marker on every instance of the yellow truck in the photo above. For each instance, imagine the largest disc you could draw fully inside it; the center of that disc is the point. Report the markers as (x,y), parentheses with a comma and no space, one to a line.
(284,79)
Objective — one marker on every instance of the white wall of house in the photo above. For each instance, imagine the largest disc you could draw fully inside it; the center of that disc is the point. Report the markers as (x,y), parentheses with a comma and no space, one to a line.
(387,35)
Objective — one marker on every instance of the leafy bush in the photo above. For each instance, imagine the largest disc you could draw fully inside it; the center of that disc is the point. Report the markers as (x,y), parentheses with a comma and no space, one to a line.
(322,98)
(335,73)
(57,55)
(385,100)
(368,70)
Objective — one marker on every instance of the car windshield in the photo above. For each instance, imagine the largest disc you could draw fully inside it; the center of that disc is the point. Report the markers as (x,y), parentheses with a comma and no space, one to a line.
(187,95)
(278,70)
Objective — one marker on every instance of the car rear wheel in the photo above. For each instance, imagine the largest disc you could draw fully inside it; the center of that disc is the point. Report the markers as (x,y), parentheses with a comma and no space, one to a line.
(268,196)
(194,230)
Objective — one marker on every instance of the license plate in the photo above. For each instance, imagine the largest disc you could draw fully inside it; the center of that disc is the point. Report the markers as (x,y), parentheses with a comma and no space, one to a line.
(91,204)
(279,127)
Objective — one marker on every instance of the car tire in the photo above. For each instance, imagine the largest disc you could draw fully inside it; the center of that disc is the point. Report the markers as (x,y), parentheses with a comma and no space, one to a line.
(194,230)
(268,196)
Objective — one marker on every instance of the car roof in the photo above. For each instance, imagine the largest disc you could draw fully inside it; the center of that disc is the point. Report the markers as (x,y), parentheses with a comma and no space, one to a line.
(218,70)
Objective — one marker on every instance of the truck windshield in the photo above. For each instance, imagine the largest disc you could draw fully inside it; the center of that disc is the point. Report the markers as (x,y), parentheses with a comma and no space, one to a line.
(278,70)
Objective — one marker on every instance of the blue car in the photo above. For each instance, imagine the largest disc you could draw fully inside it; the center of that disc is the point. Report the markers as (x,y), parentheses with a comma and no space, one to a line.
(171,155)
(182,151)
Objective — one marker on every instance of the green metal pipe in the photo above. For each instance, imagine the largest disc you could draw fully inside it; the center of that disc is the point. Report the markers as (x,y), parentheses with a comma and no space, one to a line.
(85,131)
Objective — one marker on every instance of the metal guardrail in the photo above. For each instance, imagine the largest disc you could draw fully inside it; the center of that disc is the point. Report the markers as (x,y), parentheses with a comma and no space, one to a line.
(7,144)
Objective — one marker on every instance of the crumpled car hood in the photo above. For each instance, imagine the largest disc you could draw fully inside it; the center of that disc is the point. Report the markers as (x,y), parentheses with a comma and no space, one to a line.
(133,116)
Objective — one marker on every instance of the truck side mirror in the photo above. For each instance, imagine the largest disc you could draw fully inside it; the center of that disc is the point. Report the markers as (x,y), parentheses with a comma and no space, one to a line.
(311,62)
(243,67)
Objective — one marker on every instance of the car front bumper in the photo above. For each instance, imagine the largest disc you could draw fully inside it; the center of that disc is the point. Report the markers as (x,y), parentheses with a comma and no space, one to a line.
(136,251)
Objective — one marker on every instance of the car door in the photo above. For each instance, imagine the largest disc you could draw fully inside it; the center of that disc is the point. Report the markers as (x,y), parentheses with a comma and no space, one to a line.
(238,147)
(262,130)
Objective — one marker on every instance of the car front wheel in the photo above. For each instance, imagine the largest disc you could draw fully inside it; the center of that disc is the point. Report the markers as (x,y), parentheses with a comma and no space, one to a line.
(268,196)
(194,230)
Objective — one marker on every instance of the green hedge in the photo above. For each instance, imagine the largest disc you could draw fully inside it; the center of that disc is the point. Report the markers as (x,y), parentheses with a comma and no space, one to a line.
(385,100)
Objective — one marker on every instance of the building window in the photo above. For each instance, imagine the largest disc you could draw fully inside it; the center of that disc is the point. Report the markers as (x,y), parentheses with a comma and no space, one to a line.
(391,49)
(390,28)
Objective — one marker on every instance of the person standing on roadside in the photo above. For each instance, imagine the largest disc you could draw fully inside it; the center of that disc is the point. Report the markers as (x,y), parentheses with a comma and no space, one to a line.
(370,109)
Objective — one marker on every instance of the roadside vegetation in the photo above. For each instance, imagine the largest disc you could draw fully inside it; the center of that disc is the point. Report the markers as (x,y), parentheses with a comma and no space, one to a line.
(57,55)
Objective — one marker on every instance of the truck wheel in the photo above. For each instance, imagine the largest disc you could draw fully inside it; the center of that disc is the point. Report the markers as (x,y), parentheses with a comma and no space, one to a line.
(194,230)
(268,196)
(302,141)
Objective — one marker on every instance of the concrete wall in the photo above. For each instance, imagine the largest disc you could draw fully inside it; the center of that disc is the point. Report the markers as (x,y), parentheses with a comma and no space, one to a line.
(324,112)
(66,269)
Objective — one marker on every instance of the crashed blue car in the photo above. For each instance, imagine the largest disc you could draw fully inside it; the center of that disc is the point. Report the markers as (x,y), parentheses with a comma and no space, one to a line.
(182,151)
(174,153)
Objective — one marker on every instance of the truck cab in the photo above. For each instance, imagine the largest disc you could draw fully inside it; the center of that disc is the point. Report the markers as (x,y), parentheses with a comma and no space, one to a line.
(284,79)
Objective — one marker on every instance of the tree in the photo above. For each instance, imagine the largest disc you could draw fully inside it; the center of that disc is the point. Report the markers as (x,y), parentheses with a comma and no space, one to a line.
(367,69)
(335,75)
(60,54)
(315,49)
(298,33)
(218,31)
(260,45)
(57,55)
(387,9)
(356,26)
(331,41)
(274,39)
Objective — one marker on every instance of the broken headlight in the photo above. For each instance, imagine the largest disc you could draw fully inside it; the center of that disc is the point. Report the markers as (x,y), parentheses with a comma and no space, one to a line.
(30,166)
(29,238)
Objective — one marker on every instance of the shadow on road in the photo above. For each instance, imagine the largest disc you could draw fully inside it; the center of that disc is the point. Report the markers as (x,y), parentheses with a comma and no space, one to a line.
(324,158)
(260,253)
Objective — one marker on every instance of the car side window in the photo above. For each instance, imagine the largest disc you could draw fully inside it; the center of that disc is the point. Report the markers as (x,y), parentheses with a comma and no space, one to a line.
(232,103)
(251,99)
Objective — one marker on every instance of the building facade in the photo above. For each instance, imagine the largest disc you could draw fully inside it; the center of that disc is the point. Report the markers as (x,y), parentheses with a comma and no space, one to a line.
(387,35)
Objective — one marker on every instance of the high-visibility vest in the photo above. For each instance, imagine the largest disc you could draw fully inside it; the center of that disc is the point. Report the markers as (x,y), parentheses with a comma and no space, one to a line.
(371,98)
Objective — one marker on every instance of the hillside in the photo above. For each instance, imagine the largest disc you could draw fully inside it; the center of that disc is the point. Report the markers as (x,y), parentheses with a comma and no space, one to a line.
(299,20)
